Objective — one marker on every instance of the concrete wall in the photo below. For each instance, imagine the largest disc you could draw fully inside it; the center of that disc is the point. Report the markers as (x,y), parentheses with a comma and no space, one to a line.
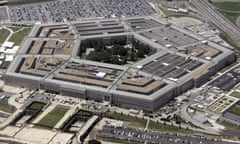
(214,69)
(226,61)
(95,95)
(185,86)
(130,102)
(52,87)
(71,93)
(202,79)
(21,82)
(164,99)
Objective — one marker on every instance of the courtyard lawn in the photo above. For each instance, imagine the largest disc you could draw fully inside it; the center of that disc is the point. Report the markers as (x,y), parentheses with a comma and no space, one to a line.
(4,106)
(36,106)
(85,113)
(52,118)
(230,10)
(235,94)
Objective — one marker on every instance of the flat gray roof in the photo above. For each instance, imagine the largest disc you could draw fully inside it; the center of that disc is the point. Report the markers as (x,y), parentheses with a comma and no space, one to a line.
(161,72)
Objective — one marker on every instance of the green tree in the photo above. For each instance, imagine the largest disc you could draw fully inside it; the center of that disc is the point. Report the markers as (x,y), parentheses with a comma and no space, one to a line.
(133,56)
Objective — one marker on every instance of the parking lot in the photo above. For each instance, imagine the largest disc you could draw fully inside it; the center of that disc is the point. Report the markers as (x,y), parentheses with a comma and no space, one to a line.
(3,14)
(150,137)
(100,27)
(141,23)
(228,80)
(171,66)
(58,11)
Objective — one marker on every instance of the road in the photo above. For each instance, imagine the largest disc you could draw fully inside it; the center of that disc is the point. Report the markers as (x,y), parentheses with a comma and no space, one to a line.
(212,15)
(139,135)
(187,117)
(158,119)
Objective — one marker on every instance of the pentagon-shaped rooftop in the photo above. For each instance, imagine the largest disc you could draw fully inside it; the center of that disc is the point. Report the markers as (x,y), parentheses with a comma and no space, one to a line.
(140,62)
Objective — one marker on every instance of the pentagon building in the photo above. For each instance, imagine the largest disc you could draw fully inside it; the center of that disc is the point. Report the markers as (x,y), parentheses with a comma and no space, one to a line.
(49,60)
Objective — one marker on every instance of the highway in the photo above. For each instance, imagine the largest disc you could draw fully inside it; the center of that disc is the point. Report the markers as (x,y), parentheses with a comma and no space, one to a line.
(212,15)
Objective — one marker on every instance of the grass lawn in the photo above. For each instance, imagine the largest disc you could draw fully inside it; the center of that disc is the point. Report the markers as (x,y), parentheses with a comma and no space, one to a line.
(137,122)
(133,121)
(14,28)
(231,16)
(3,35)
(4,106)
(84,113)
(235,94)
(229,125)
(19,36)
(4,65)
(235,109)
(52,118)
(229,40)
(19,2)
(230,10)
(36,106)
(228,6)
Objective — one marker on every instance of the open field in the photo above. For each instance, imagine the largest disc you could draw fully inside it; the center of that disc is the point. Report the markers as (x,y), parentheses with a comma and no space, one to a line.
(51,119)
(19,36)
(231,16)
(37,108)
(133,121)
(230,10)
(4,34)
(228,6)
(4,106)
(231,42)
